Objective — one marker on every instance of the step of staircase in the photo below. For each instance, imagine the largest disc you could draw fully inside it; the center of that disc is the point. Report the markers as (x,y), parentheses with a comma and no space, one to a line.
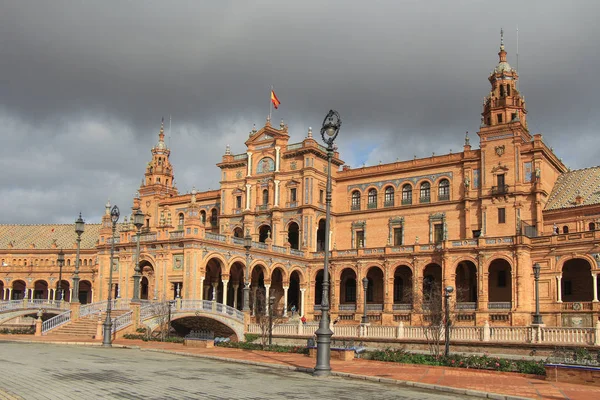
(85,327)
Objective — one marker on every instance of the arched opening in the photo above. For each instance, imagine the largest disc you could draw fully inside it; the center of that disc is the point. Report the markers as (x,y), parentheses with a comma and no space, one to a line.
(258,290)
(85,292)
(592,226)
(203,216)
(372,198)
(265,197)
(148,289)
(375,289)
(18,290)
(319,290)
(444,190)
(403,285)
(406,194)
(40,290)
(432,285)
(238,232)
(389,196)
(321,235)
(355,200)
(212,281)
(294,235)
(577,281)
(264,233)
(184,325)
(213,217)
(500,284)
(565,229)
(235,288)
(276,291)
(425,192)
(66,289)
(347,290)
(2,291)
(294,295)
(465,283)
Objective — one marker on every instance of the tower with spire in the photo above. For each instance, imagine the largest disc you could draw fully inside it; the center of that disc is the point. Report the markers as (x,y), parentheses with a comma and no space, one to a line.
(159,177)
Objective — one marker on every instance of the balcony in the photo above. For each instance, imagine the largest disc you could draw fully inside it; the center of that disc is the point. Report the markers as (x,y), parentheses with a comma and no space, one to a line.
(371,206)
(388,203)
(402,307)
(499,305)
(406,202)
(425,199)
(347,307)
(444,197)
(499,190)
(355,207)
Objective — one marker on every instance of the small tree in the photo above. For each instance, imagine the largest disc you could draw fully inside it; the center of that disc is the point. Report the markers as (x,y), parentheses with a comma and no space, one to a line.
(265,321)
(161,311)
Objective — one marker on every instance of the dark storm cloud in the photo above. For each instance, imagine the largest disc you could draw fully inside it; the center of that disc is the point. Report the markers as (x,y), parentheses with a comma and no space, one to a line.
(83,85)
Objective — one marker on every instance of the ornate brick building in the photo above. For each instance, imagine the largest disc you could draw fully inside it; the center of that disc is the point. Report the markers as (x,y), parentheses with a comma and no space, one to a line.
(477,220)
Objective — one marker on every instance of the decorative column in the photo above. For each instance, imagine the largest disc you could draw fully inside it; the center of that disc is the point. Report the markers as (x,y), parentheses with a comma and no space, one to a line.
(92,295)
(214,292)
(225,282)
(248,186)
(70,294)
(267,296)
(285,304)
(49,294)
(277,148)
(559,288)
(53,294)
(595,282)
(202,288)
(301,311)
(276,200)
(26,291)
(249,173)
(254,302)
(235,295)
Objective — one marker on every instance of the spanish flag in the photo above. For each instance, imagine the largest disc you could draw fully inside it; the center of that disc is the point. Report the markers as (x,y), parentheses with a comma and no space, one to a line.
(274,99)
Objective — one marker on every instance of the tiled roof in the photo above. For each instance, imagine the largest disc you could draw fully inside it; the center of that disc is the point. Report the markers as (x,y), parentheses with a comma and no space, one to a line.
(42,236)
(583,182)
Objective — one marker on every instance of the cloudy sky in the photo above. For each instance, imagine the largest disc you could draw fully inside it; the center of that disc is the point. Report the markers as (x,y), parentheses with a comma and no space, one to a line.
(84,84)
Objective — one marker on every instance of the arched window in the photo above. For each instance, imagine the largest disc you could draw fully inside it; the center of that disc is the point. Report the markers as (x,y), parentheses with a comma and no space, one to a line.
(592,226)
(444,190)
(213,217)
(407,194)
(389,196)
(180,221)
(350,290)
(265,197)
(203,216)
(372,198)
(356,200)
(565,229)
(425,195)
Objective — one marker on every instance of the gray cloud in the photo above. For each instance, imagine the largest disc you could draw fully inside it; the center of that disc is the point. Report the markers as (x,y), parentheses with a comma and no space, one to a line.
(83,85)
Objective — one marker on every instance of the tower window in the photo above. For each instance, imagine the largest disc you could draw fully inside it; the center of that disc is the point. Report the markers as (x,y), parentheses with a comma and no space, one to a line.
(508,90)
(499,118)
(501,215)
(238,201)
(501,90)
(293,194)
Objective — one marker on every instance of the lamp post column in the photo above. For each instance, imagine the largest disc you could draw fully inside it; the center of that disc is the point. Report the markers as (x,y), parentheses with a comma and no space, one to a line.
(138,219)
(447,291)
(61,261)
(537,318)
(107,334)
(365,283)
(247,246)
(79,228)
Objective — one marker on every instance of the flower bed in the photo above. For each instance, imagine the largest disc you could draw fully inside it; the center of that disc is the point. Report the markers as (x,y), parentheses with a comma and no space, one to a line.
(458,361)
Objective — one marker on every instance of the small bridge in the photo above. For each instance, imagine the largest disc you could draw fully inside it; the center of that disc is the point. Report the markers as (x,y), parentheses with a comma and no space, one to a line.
(152,314)
(11,309)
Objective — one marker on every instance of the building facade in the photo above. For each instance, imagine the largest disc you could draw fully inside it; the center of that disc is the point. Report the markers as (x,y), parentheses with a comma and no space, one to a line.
(477,220)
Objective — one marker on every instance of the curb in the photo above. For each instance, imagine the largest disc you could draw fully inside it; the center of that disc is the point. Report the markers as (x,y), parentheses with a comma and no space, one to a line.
(418,385)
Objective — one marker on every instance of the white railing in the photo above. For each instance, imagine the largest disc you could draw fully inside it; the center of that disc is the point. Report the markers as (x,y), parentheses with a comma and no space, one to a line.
(377,331)
(92,308)
(56,321)
(121,321)
(11,305)
(347,307)
(194,305)
(23,304)
(567,335)
(402,307)
(466,333)
(345,330)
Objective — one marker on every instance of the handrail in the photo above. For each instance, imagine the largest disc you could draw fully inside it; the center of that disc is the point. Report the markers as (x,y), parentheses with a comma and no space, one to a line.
(92,308)
(56,321)
(122,321)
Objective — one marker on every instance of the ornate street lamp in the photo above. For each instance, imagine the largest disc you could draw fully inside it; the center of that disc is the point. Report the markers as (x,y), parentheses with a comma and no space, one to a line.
(329,131)
(365,283)
(271,302)
(247,246)
(138,221)
(79,228)
(447,291)
(107,339)
(537,318)
(61,261)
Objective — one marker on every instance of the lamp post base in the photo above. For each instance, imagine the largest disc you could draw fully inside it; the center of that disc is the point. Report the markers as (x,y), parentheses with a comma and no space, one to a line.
(107,334)
(537,320)
(323,367)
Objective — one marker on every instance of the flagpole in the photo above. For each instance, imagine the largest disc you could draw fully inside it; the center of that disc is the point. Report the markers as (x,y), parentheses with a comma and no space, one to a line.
(270,103)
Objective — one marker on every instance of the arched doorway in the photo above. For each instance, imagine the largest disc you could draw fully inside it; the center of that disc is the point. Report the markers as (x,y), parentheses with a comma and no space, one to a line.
(40,290)
(375,289)
(212,281)
(213,218)
(18,290)
(499,285)
(294,298)
(403,292)
(238,232)
(264,233)
(465,282)
(85,292)
(432,286)
(148,287)
(66,289)
(347,290)
(321,235)
(2,290)
(235,288)
(577,281)
(258,290)
(294,235)
(276,291)
(319,289)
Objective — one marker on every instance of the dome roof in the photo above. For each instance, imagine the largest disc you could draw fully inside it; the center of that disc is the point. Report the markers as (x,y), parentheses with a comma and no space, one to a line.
(503,66)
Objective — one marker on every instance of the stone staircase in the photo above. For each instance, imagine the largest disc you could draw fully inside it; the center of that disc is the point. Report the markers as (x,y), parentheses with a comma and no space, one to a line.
(85,327)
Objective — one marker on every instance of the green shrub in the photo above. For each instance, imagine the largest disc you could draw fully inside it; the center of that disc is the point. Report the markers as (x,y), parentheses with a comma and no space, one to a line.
(255,346)
(17,331)
(251,337)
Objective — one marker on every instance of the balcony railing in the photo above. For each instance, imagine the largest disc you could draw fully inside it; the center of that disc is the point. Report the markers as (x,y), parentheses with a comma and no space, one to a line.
(470,305)
(347,307)
(371,206)
(502,189)
(443,197)
(499,305)
(355,207)
(388,203)
(374,307)
(402,307)
(424,199)
(407,202)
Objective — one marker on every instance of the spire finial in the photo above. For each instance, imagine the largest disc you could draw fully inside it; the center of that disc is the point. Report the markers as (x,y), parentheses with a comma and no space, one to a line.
(227,150)
(467,139)
(501,39)
(161,134)
(310,132)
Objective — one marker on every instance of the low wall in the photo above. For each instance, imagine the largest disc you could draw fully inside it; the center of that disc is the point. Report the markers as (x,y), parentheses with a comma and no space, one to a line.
(577,374)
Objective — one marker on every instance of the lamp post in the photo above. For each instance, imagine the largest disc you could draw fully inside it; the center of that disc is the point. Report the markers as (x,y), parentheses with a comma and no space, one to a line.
(247,246)
(171,304)
(107,337)
(271,302)
(537,318)
(138,221)
(329,131)
(60,260)
(79,228)
(365,283)
(447,291)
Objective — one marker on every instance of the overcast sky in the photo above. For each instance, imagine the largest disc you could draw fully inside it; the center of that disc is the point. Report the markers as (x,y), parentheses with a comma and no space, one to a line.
(84,84)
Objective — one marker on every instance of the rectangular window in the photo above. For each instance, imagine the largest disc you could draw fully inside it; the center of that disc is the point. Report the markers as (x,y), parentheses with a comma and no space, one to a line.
(501,215)
(438,233)
(360,239)
(499,118)
(475,179)
(350,293)
(501,278)
(238,201)
(321,196)
(528,171)
(293,194)
(500,180)
(397,236)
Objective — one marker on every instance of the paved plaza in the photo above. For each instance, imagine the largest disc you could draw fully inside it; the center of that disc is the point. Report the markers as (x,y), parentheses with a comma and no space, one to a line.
(49,371)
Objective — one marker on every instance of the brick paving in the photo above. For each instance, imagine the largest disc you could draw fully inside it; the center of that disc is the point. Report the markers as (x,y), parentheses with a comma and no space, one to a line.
(470,382)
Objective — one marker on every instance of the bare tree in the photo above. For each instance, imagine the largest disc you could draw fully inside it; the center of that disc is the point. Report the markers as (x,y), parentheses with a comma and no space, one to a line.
(266,319)
(161,310)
